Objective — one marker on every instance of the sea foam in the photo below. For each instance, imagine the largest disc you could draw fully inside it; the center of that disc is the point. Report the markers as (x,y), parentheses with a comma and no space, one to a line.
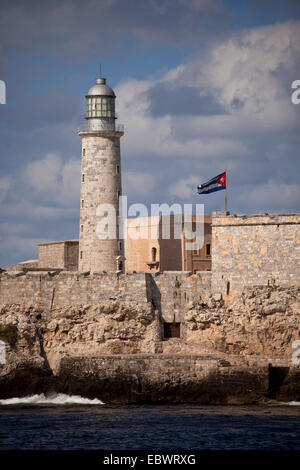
(289,403)
(51,399)
(285,403)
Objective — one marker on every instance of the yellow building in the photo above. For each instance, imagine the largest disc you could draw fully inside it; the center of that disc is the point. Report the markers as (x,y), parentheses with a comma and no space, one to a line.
(148,248)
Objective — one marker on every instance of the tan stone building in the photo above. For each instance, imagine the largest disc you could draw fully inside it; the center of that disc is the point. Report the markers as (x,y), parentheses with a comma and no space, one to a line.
(60,255)
(146,247)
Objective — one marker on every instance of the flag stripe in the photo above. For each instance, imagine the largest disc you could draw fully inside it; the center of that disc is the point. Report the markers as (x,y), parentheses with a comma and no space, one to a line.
(214,184)
(207,190)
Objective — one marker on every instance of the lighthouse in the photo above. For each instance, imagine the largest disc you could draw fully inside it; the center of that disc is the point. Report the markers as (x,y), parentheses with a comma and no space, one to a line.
(100,183)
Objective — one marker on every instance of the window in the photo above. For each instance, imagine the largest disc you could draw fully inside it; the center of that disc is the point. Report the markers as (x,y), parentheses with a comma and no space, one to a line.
(82,203)
(81,255)
(207,249)
(228,288)
(117,169)
(83,178)
(196,252)
(171,330)
(153,254)
(120,246)
(81,228)
(100,106)
(83,152)
(118,194)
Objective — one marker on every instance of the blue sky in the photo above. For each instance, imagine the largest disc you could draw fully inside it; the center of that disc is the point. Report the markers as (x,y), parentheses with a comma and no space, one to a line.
(201,85)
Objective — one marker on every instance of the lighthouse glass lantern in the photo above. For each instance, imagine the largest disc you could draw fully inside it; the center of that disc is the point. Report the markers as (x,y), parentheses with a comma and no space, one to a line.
(100,106)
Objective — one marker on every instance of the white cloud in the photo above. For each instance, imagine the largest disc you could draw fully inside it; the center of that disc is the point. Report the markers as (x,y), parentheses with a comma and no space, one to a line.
(5,185)
(165,136)
(246,75)
(272,195)
(34,210)
(138,183)
(185,188)
(250,69)
(54,180)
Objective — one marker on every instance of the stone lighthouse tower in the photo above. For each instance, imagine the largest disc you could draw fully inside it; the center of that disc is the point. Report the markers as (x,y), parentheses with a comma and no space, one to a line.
(100,182)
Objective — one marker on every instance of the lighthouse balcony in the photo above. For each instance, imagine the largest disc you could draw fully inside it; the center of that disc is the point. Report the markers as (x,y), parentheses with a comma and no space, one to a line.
(100,125)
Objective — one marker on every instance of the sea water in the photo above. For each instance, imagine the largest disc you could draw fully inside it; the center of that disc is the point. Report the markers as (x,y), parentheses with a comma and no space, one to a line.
(64,422)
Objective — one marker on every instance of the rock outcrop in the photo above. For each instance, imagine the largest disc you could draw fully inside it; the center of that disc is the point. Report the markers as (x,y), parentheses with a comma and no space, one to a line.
(262,321)
(236,350)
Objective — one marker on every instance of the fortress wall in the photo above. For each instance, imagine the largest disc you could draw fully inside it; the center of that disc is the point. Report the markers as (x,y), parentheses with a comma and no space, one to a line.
(169,292)
(175,378)
(255,250)
(70,288)
(172,292)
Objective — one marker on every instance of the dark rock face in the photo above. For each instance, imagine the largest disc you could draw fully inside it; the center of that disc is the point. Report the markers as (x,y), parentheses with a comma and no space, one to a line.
(25,380)
(164,378)
(156,379)
(290,388)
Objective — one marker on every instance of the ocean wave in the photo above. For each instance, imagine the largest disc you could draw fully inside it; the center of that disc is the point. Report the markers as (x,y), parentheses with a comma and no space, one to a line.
(285,403)
(52,399)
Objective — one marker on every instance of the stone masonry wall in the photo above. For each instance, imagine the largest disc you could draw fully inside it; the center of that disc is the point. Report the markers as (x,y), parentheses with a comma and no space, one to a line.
(100,184)
(60,254)
(66,288)
(170,293)
(255,250)
(52,255)
(71,255)
(166,378)
(173,292)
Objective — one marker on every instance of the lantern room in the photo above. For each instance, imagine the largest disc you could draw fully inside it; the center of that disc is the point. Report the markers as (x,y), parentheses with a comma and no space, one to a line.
(100,101)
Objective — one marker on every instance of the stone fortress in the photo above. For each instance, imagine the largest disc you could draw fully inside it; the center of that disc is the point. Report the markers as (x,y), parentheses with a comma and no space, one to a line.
(153,321)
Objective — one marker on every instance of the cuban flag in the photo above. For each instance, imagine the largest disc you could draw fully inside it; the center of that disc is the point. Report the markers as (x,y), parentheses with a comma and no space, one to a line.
(215,184)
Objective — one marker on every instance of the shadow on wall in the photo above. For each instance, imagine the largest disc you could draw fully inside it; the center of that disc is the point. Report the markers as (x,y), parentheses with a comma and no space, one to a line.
(277,375)
(153,293)
(170,249)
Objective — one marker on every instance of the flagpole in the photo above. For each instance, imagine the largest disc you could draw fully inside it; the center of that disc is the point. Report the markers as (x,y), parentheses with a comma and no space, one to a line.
(226,191)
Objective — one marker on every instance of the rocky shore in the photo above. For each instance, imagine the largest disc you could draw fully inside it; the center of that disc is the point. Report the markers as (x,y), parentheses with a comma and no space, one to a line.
(235,350)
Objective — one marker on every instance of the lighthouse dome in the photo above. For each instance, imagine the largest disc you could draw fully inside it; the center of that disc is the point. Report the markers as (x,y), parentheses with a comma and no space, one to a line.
(101,89)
